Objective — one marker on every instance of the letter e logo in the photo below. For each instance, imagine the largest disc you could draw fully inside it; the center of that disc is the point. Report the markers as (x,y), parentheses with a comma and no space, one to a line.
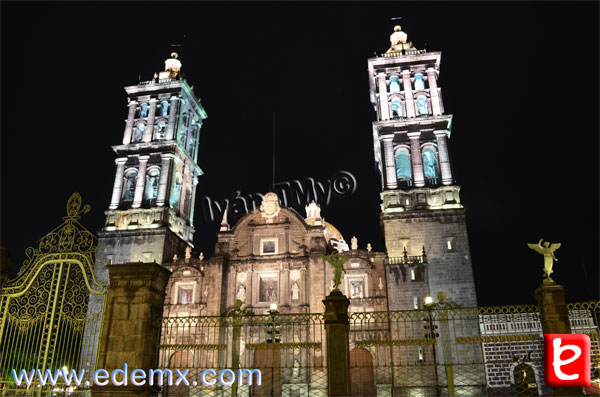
(567,360)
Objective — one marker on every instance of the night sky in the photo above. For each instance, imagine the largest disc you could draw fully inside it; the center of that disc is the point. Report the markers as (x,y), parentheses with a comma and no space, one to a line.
(521,80)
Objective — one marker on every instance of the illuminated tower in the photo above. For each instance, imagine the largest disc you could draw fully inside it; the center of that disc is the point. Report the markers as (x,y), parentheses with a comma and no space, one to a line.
(421,207)
(150,216)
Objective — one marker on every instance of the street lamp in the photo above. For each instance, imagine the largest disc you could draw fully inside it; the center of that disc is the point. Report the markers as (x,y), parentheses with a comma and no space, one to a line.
(430,333)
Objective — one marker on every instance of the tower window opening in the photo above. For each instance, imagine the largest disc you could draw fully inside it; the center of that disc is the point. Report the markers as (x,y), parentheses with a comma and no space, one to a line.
(152,182)
(396,108)
(183,130)
(139,132)
(144,110)
(403,168)
(416,302)
(430,166)
(422,105)
(160,130)
(164,108)
(394,84)
(191,142)
(449,244)
(176,196)
(413,274)
(419,82)
(129,186)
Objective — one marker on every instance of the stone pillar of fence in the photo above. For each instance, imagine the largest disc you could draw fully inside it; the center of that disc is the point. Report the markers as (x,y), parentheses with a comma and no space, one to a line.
(131,329)
(337,328)
(555,320)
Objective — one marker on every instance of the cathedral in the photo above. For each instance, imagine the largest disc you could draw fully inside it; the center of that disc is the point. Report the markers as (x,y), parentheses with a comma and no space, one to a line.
(274,255)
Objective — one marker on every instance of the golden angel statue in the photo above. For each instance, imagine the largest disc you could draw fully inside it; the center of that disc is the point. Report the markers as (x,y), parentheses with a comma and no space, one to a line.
(337,261)
(547,250)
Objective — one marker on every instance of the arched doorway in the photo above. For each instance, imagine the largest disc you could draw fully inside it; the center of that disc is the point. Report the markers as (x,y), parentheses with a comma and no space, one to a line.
(525,383)
(362,377)
(181,360)
(267,358)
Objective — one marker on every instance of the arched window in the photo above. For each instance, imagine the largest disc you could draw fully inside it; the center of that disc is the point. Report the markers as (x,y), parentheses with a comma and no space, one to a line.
(430,166)
(422,105)
(403,169)
(176,195)
(183,129)
(161,129)
(191,143)
(152,181)
(396,108)
(394,84)
(144,110)
(164,108)
(419,82)
(129,185)
(139,132)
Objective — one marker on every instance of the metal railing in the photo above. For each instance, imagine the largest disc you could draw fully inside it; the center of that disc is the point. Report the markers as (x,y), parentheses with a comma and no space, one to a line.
(288,349)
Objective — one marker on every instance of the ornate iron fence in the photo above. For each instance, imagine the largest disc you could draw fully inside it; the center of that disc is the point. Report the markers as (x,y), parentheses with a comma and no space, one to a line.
(288,349)
(45,322)
(484,351)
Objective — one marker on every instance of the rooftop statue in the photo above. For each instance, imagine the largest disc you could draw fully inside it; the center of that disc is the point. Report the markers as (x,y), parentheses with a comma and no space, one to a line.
(547,250)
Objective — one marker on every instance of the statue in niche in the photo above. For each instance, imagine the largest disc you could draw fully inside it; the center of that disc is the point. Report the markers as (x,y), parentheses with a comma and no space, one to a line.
(241,294)
(296,370)
(295,291)
(547,250)
(188,252)
(369,248)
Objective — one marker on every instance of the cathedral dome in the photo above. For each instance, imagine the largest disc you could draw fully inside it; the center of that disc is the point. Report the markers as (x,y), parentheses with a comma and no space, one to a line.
(331,231)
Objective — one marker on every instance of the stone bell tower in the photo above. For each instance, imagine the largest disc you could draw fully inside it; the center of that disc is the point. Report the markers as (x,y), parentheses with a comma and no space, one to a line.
(422,218)
(151,212)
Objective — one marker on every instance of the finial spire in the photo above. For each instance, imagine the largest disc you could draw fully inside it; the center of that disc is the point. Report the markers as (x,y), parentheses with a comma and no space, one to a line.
(398,41)
(172,67)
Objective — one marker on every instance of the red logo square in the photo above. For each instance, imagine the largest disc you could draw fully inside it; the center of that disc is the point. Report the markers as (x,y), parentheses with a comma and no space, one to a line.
(567,360)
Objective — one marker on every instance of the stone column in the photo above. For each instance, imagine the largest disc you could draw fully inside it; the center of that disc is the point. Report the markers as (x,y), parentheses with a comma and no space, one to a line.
(442,143)
(118,186)
(163,183)
(131,331)
(173,109)
(416,160)
(408,96)
(129,123)
(337,329)
(383,98)
(433,92)
(140,183)
(555,320)
(149,130)
(391,181)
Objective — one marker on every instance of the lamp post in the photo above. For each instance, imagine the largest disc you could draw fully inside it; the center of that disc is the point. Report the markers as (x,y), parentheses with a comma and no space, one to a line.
(274,333)
(441,307)
(430,333)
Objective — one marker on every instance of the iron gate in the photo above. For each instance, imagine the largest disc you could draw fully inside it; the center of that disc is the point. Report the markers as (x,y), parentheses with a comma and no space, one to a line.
(45,322)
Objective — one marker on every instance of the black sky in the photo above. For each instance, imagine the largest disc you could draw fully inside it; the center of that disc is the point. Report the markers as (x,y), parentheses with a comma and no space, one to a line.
(521,80)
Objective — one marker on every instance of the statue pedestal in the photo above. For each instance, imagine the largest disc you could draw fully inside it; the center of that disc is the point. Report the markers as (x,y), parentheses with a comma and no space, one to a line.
(338,352)
(555,320)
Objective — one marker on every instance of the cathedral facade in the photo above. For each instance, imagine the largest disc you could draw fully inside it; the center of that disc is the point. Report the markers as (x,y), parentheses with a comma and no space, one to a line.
(274,255)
